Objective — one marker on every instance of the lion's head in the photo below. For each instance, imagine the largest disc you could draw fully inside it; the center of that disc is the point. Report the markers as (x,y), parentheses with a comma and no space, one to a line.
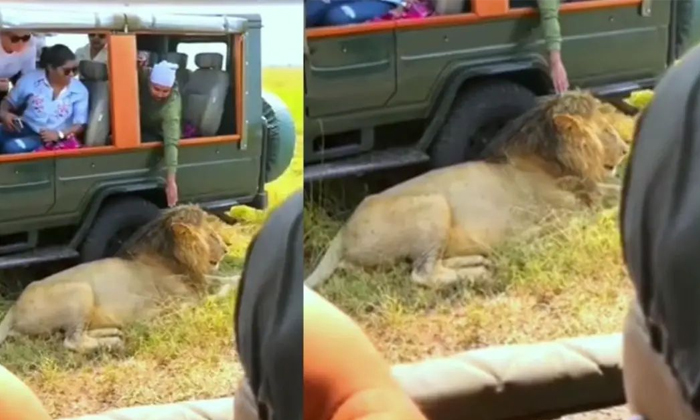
(184,239)
(569,133)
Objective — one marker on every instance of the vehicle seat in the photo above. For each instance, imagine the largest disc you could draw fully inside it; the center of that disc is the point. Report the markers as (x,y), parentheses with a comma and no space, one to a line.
(204,96)
(95,77)
(450,7)
(183,74)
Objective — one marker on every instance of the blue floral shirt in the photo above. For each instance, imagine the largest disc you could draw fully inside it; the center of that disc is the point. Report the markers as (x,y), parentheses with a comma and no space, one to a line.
(71,107)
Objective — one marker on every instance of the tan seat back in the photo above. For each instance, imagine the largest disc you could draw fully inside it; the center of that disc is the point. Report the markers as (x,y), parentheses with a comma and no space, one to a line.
(183,74)
(205,94)
(95,77)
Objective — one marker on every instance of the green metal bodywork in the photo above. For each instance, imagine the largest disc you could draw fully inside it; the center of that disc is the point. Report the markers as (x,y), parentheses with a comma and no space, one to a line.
(362,81)
(68,192)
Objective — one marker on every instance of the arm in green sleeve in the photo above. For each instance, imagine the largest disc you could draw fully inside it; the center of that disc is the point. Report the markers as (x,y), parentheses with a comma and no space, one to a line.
(172,131)
(549,18)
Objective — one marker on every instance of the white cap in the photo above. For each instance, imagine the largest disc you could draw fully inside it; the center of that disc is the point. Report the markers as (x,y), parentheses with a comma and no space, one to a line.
(163,74)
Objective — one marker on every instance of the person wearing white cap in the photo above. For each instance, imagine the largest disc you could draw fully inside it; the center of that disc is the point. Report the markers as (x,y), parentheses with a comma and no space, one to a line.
(161,116)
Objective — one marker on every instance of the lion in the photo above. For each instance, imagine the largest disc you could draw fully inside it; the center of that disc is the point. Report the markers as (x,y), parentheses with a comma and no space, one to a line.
(169,258)
(562,155)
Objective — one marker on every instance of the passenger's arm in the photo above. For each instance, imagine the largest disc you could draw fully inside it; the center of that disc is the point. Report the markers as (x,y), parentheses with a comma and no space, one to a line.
(345,377)
(81,115)
(172,131)
(17,401)
(549,18)
(14,99)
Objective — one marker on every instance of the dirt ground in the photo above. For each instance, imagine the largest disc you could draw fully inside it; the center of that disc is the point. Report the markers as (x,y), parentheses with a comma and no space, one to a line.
(614,413)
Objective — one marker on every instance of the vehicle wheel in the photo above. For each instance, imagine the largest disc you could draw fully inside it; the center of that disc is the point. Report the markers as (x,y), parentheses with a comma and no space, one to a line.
(281,139)
(476,116)
(115,223)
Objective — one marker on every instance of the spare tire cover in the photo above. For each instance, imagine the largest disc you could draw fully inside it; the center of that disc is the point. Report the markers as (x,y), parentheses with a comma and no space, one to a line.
(281,136)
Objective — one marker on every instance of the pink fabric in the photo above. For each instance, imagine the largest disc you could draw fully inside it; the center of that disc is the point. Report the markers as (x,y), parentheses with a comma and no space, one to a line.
(189,131)
(71,142)
(415,9)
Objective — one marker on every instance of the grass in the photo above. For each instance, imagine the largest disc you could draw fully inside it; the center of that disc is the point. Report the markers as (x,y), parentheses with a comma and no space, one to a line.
(569,282)
(185,355)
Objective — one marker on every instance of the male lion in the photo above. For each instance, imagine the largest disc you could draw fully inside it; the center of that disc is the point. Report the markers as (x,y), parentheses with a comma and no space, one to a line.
(448,220)
(168,258)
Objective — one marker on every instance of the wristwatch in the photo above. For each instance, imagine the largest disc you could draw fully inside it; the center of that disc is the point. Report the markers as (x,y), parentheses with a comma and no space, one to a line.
(61,136)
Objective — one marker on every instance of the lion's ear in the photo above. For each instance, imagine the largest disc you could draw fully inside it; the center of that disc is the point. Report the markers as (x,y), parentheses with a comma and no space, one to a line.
(567,125)
(182,232)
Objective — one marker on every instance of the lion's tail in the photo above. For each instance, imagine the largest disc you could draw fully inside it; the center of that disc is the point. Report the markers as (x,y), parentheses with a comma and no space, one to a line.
(7,324)
(330,261)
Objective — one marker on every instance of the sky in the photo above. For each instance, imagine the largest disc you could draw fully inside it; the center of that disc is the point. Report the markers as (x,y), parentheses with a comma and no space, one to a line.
(282,33)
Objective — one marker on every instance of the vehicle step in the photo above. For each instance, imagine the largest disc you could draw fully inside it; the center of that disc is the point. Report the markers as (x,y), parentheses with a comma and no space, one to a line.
(368,162)
(37,256)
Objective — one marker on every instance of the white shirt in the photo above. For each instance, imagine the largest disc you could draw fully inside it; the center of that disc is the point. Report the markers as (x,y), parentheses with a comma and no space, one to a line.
(83,53)
(25,61)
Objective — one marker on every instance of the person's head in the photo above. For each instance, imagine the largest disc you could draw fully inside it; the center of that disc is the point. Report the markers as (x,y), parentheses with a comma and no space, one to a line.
(15,41)
(60,64)
(97,41)
(162,80)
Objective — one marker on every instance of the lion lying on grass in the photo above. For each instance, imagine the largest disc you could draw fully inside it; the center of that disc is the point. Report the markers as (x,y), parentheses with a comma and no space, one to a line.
(171,258)
(447,221)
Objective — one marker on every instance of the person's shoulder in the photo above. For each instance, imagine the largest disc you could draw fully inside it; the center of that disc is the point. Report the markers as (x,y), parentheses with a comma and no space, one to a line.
(78,87)
(32,76)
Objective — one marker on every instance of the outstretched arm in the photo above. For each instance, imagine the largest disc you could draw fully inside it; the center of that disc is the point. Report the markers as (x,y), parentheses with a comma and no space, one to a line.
(549,18)
(17,401)
(345,377)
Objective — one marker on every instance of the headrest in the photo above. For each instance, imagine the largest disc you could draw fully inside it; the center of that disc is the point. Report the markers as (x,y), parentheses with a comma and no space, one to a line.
(209,61)
(93,70)
(177,58)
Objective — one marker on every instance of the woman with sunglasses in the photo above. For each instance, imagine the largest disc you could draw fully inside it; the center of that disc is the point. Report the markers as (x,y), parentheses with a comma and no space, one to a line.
(17,57)
(55,106)
(95,50)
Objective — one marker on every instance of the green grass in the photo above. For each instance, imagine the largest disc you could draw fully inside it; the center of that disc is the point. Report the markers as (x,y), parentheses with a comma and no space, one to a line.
(187,354)
(569,282)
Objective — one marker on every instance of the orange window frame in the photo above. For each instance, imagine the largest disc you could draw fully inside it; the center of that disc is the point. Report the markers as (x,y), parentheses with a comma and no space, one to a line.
(124,105)
(482,10)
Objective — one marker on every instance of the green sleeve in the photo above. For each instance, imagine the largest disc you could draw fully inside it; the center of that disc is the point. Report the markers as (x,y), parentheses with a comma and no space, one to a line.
(549,18)
(172,130)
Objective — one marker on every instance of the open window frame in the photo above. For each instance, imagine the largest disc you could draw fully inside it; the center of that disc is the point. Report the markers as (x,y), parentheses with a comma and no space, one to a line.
(481,11)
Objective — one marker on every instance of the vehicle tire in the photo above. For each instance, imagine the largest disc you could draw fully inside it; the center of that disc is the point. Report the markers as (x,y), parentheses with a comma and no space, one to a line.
(281,136)
(476,115)
(116,222)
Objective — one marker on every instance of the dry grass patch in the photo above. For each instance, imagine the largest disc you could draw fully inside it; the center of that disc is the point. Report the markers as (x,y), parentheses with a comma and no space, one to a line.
(569,282)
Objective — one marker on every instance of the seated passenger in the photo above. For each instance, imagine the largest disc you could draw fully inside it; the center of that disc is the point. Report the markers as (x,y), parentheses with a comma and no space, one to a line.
(17,57)
(95,50)
(345,12)
(55,103)
(161,115)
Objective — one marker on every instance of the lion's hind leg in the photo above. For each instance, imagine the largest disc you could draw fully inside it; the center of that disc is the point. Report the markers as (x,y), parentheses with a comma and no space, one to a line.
(83,341)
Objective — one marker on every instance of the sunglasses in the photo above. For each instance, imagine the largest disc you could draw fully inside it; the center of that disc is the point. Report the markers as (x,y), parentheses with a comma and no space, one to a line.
(16,39)
(69,71)
(101,36)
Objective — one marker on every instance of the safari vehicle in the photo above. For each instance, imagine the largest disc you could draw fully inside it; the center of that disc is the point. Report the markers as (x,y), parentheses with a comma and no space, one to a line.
(82,203)
(433,91)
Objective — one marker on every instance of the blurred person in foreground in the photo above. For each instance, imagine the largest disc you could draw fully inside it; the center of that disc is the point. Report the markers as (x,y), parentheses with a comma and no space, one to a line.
(660,229)
(300,353)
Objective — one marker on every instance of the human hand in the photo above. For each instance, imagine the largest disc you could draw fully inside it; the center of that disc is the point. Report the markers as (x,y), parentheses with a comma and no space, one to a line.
(9,121)
(48,136)
(171,191)
(558,72)
(5,85)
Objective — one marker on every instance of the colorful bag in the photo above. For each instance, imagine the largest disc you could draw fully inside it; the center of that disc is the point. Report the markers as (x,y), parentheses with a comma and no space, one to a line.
(69,143)
(189,131)
(412,9)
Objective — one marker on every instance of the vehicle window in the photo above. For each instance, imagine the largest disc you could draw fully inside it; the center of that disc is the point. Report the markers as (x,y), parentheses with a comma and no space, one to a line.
(187,78)
(33,118)
(194,48)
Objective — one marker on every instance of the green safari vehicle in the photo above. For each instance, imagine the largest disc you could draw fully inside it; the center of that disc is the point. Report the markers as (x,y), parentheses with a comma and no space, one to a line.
(433,91)
(81,204)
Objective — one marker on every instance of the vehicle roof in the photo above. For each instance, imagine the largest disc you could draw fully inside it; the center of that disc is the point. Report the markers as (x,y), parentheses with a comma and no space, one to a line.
(135,16)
